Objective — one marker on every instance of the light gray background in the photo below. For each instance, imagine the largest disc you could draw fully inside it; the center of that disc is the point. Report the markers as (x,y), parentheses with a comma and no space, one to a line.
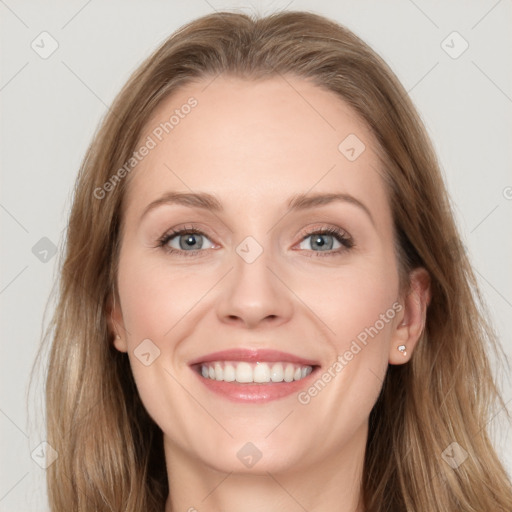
(51,107)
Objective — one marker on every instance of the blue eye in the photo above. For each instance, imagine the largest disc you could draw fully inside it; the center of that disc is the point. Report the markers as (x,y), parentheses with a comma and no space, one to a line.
(325,240)
(189,242)
(186,238)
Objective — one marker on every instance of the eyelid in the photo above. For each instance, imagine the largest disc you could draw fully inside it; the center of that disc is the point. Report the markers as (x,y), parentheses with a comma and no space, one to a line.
(180,231)
(341,235)
(325,228)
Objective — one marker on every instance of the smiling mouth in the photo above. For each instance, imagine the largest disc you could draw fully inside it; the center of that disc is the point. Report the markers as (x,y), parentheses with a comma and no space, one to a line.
(244,372)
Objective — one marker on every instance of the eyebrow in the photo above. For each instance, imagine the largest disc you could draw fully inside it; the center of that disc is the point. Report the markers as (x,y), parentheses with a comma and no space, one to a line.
(297,202)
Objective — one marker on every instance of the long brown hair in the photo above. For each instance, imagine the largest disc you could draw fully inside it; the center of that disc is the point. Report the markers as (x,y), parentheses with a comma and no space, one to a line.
(111,454)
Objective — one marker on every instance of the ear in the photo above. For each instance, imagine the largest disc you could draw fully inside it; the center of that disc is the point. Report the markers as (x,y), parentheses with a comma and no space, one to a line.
(413,317)
(115,322)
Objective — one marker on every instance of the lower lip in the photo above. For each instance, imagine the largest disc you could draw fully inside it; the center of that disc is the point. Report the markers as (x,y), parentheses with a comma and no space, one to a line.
(253,392)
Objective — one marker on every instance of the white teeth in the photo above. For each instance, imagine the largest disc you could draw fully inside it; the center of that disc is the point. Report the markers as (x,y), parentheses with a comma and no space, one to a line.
(276,373)
(288,372)
(218,371)
(245,372)
(261,373)
(229,372)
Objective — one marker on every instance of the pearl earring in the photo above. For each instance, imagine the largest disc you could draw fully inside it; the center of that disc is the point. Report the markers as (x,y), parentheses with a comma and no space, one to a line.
(402,349)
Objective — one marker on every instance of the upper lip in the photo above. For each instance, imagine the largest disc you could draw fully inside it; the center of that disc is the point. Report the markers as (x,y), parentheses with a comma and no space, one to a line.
(253,355)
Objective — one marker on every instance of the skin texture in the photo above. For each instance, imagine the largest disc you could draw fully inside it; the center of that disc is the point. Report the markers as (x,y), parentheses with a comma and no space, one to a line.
(254,144)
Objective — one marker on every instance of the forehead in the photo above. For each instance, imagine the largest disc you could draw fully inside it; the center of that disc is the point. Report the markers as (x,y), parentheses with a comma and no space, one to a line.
(256,142)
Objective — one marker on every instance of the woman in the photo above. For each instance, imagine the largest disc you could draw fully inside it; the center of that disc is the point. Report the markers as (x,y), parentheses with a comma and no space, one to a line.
(320,346)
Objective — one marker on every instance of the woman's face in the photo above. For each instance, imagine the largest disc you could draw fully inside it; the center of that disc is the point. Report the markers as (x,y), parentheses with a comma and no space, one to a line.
(259,341)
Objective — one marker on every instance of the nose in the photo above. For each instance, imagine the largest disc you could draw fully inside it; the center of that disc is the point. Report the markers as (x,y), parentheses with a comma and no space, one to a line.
(255,294)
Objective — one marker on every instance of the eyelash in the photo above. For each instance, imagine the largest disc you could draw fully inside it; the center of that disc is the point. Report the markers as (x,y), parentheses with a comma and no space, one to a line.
(345,240)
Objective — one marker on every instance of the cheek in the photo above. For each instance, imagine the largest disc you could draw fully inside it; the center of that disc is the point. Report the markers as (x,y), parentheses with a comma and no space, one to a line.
(155,304)
(354,303)
(156,297)
(159,306)
(361,310)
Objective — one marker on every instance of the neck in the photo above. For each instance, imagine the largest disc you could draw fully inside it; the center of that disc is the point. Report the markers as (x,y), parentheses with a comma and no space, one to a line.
(331,485)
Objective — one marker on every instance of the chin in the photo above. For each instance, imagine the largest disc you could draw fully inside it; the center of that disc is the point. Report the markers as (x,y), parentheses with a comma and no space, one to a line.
(250,455)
